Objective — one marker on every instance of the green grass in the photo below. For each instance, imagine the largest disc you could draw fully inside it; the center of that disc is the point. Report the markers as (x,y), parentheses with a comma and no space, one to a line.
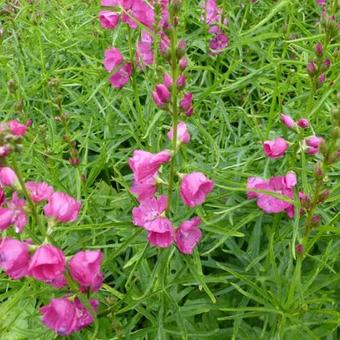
(237,283)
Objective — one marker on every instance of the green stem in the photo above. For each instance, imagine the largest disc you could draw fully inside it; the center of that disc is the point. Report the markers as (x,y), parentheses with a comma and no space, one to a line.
(174,71)
(28,197)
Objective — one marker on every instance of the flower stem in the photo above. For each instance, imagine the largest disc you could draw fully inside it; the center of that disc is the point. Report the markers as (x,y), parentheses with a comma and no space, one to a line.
(174,72)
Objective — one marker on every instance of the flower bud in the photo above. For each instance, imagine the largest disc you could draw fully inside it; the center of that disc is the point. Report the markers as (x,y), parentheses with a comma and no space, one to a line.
(181,81)
(316,219)
(323,196)
(311,68)
(321,79)
(161,95)
(318,49)
(167,80)
(303,123)
(288,121)
(299,249)
(183,63)
(326,64)
(181,48)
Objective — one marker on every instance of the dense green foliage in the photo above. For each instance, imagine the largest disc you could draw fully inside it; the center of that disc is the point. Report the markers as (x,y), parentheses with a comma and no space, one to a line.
(237,283)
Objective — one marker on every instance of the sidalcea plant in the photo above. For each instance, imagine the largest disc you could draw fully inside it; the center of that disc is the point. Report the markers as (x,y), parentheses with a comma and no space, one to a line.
(37,258)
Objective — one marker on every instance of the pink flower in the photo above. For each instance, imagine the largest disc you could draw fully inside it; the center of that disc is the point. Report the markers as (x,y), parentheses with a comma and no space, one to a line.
(145,164)
(287,121)
(188,235)
(164,239)
(14,258)
(122,76)
(276,148)
(314,141)
(138,11)
(194,188)
(39,191)
(144,52)
(108,19)
(212,14)
(17,208)
(186,104)
(164,43)
(65,316)
(303,123)
(8,178)
(18,129)
(84,318)
(85,269)
(6,218)
(112,59)
(47,264)
(144,190)
(110,3)
(279,185)
(149,215)
(183,135)
(161,95)
(62,207)
(218,43)
(321,2)
(60,315)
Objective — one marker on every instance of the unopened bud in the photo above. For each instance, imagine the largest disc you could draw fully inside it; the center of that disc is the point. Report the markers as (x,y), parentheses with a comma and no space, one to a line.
(318,170)
(311,68)
(319,49)
(180,52)
(299,248)
(316,219)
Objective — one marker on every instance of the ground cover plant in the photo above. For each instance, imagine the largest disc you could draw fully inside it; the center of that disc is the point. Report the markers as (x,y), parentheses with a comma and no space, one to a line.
(169,169)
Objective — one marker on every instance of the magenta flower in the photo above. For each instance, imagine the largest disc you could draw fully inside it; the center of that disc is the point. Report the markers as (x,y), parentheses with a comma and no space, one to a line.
(164,239)
(138,12)
(14,258)
(144,190)
(218,43)
(183,135)
(108,20)
(112,59)
(85,269)
(17,207)
(6,218)
(2,196)
(144,52)
(18,129)
(188,235)
(314,141)
(8,178)
(122,76)
(110,3)
(280,185)
(149,215)
(84,318)
(186,104)
(48,265)
(62,207)
(275,148)
(303,123)
(39,191)
(287,121)
(146,164)
(60,316)
(211,12)
(194,188)
(161,95)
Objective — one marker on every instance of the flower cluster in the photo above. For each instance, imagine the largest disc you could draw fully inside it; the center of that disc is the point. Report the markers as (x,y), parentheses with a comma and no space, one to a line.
(137,14)
(45,262)
(311,145)
(152,212)
(318,67)
(212,16)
